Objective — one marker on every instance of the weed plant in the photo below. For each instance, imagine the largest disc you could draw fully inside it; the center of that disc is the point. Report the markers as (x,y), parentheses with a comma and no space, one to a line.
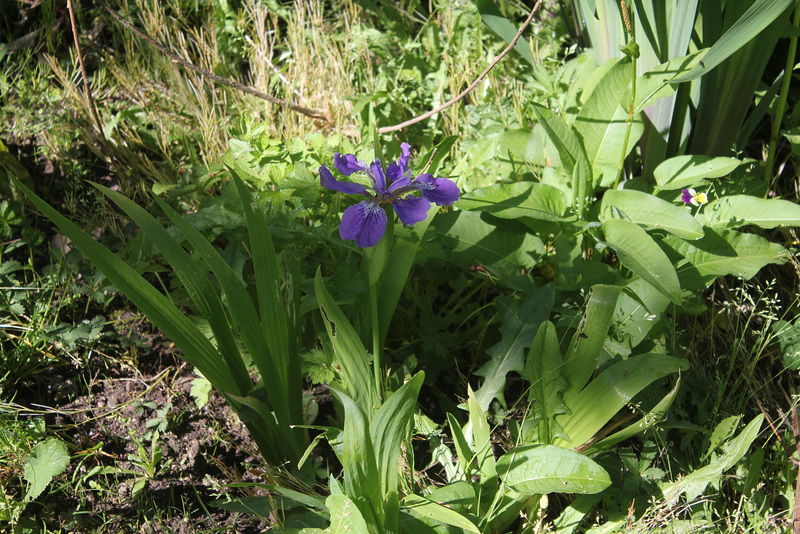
(597,333)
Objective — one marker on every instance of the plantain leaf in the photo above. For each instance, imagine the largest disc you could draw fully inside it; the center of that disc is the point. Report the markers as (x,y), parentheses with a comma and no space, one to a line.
(542,469)
(720,253)
(650,212)
(740,210)
(690,171)
(599,402)
(602,124)
(543,371)
(584,351)
(522,199)
(638,252)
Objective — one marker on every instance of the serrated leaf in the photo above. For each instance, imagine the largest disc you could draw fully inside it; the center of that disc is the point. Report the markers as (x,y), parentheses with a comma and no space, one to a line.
(47,460)
(520,323)
(638,252)
(542,469)
(651,212)
(734,211)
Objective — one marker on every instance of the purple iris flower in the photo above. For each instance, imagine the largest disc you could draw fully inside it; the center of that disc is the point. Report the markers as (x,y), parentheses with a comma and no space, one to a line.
(366,221)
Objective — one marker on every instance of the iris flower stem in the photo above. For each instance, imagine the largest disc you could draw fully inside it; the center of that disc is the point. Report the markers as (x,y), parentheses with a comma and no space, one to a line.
(376,262)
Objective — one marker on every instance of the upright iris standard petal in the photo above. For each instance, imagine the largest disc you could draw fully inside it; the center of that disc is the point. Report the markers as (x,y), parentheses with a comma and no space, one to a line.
(377,176)
(440,191)
(330,183)
(411,209)
(365,222)
(348,164)
(397,172)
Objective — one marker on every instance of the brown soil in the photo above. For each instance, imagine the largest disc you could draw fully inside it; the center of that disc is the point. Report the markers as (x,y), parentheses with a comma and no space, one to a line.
(202,450)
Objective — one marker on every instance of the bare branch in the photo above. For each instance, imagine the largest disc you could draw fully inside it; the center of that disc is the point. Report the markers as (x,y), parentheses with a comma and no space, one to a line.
(473,85)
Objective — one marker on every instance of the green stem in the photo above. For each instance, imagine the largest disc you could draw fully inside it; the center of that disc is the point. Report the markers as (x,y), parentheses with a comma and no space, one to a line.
(781,107)
(376,262)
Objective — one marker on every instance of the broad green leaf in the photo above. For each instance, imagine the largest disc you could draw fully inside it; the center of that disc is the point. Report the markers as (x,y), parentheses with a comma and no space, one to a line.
(599,401)
(543,371)
(602,124)
(638,252)
(47,460)
(522,199)
(655,83)
(651,212)
(390,426)
(734,211)
(542,469)
(346,518)
(695,483)
(690,171)
(458,495)
(427,507)
(520,323)
(571,151)
(584,351)
(350,352)
(361,478)
(502,247)
(788,337)
(720,253)
(640,307)
(651,418)
(504,28)
(760,15)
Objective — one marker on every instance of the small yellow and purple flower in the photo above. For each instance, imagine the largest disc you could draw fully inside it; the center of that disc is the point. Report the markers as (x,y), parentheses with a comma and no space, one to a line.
(690,196)
(366,221)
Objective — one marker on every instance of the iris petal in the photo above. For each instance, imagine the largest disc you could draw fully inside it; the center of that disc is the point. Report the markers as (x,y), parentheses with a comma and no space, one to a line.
(365,222)
(330,183)
(348,164)
(412,209)
(378,178)
(440,191)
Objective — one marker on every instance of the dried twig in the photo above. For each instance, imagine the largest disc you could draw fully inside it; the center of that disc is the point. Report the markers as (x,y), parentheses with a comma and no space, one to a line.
(473,85)
(309,112)
(85,76)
